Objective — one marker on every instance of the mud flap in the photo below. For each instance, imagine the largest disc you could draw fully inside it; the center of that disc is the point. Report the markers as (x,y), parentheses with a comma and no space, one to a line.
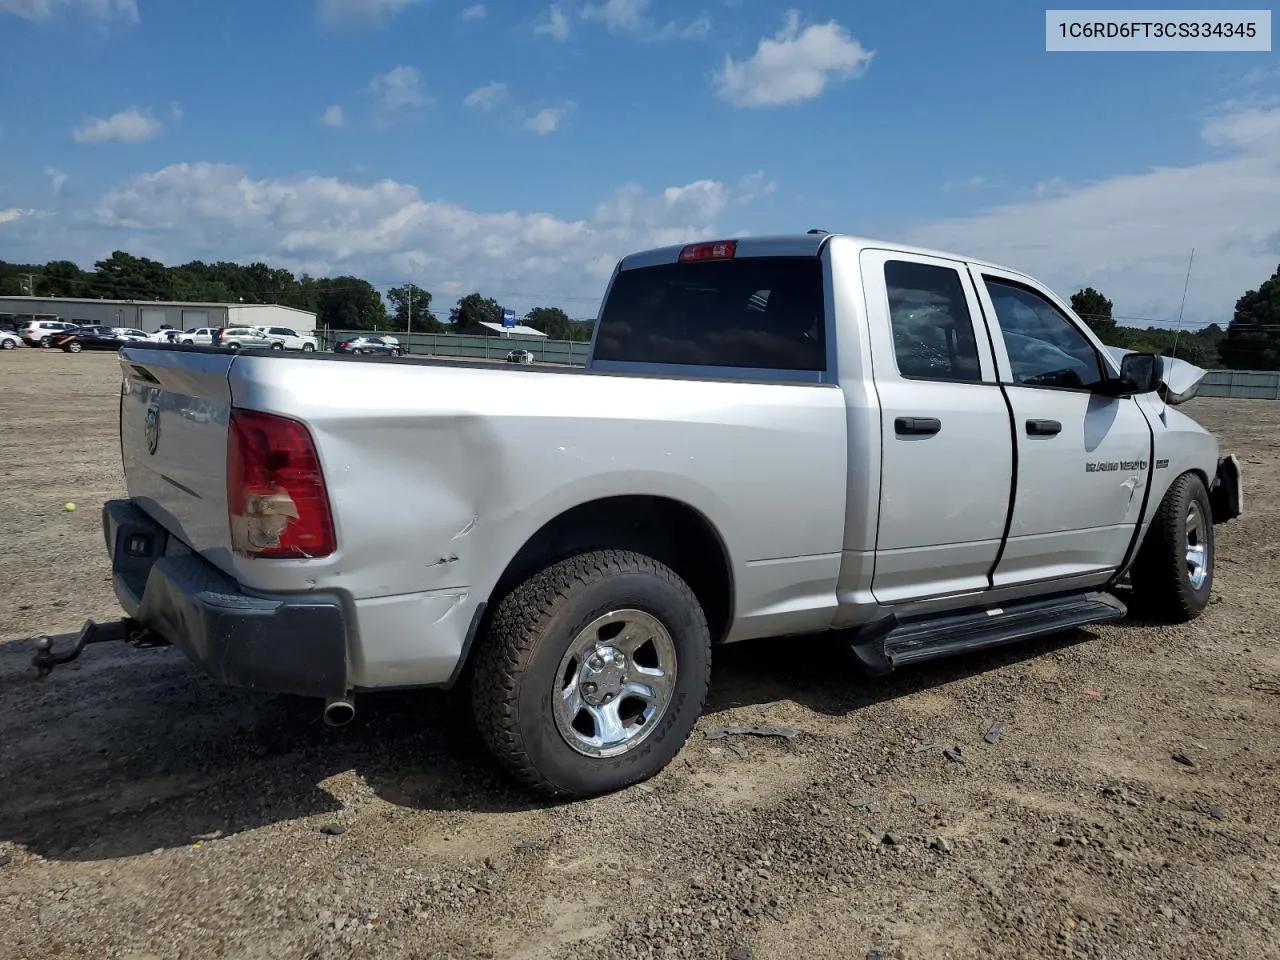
(1226,496)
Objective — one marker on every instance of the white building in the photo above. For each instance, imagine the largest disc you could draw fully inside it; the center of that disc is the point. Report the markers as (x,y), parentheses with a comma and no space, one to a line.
(151,315)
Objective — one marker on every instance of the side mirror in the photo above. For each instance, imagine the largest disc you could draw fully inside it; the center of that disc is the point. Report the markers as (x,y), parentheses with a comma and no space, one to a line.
(1139,373)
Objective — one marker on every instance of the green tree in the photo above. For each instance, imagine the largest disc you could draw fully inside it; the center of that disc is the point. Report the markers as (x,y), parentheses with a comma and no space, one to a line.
(474,309)
(123,276)
(411,309)
(1252,341)
(552,321)
(349,303)
(1095,310)
(62,278)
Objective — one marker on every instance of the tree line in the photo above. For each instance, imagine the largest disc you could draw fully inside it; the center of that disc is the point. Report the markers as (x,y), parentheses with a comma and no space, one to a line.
(1251,340)
(339,303)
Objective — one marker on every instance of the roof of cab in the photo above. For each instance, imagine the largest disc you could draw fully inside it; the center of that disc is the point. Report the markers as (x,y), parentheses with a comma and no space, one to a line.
(795,245)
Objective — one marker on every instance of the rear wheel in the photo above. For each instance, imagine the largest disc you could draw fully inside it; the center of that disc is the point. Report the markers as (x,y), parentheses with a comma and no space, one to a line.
(277,346)
(188,343)
(1173,574)
(46,342)
(7,344)
(592,674)
(395,351)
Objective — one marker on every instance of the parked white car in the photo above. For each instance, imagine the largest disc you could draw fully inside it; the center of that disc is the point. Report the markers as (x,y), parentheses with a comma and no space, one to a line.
(291,339)
(131,334)
(165,336)
(9,340)
(197,336)
(40,333)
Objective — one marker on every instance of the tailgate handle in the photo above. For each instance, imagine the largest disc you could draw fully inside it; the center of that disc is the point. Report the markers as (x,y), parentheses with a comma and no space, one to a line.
(916,426)
(1043,428)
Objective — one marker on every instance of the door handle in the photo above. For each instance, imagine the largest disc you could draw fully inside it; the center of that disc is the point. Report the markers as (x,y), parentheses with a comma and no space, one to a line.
(916,426)
(1043,428)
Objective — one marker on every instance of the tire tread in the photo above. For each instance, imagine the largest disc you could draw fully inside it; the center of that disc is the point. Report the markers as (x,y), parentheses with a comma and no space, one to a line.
(517,626)
(1160,584)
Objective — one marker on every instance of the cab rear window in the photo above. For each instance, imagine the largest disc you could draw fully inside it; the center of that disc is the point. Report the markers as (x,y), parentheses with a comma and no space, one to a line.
(761,313)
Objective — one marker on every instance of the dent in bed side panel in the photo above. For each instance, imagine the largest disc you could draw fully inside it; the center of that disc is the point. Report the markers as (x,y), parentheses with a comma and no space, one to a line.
(853,359)
(438,477)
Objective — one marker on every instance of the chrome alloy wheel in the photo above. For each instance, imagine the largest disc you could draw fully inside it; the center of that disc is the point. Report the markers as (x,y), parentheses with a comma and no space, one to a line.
(615,683)
(1197,547)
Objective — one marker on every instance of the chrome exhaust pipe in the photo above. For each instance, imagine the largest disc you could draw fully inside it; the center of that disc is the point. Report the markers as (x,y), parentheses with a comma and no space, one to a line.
(339,711)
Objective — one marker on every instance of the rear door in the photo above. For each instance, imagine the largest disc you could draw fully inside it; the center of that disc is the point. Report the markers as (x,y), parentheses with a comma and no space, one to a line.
(1083,457)
(947,449)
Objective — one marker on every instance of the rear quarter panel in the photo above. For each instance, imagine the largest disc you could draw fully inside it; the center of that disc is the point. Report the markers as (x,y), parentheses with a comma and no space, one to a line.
(438,474)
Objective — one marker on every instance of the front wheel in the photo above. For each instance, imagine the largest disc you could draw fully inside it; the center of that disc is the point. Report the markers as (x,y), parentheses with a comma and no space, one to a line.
(277,346)
(592,674)
(1172,576)
(395,351)
(7,344)
(74,347)
(308,348)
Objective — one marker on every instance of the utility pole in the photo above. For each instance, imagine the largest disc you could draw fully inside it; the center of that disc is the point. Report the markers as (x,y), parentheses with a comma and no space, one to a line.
(408,325)
(31,283)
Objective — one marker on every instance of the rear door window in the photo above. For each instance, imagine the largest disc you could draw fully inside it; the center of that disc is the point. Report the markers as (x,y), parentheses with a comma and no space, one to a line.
(756,312)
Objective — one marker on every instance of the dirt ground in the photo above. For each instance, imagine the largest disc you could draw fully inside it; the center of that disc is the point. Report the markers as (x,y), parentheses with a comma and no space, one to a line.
(146,813)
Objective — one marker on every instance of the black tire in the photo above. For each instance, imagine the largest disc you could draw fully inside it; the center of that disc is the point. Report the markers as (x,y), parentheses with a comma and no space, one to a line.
(233,345)
(1163,584)
(277,346)
(46,342)
(518,658)
(188,343)
(308,348)
(7,344)
(73,347)
(395,351)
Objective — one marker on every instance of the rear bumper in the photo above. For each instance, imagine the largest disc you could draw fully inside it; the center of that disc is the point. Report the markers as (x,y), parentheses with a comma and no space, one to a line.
(296,644)
(1226,495)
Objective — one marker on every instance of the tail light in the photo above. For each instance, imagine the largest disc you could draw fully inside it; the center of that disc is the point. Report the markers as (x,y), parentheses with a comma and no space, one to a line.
(276,497)
(719,250)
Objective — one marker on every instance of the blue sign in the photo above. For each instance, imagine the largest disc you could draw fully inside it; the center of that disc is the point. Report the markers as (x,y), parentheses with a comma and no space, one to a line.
(508,317)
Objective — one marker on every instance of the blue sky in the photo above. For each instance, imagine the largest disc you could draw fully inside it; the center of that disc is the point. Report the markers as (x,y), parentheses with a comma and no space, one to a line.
(521,148)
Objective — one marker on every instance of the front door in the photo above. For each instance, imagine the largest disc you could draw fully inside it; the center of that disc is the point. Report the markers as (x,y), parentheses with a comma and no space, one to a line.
(947,454)
(1084,458)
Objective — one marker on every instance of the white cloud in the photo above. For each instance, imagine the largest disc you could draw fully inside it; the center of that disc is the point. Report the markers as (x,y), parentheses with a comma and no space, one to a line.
(547,120)
(399,90)
(14,214)
(385,230)
(476,11)
(333,117)
(619,15)
(792,66)
(334,12)
(133,125)
(1130,235)
(555,23)
(694,29)
(487,97)
(57,179)
(41,11)
(968,183)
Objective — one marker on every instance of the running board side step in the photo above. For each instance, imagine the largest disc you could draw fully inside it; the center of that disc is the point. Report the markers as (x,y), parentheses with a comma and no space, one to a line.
(894,643)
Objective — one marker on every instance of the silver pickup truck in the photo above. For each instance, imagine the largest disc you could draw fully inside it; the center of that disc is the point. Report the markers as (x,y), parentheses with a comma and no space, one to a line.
(910,453)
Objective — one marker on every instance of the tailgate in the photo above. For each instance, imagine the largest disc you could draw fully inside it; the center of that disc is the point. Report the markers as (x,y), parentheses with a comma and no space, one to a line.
(174,408)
